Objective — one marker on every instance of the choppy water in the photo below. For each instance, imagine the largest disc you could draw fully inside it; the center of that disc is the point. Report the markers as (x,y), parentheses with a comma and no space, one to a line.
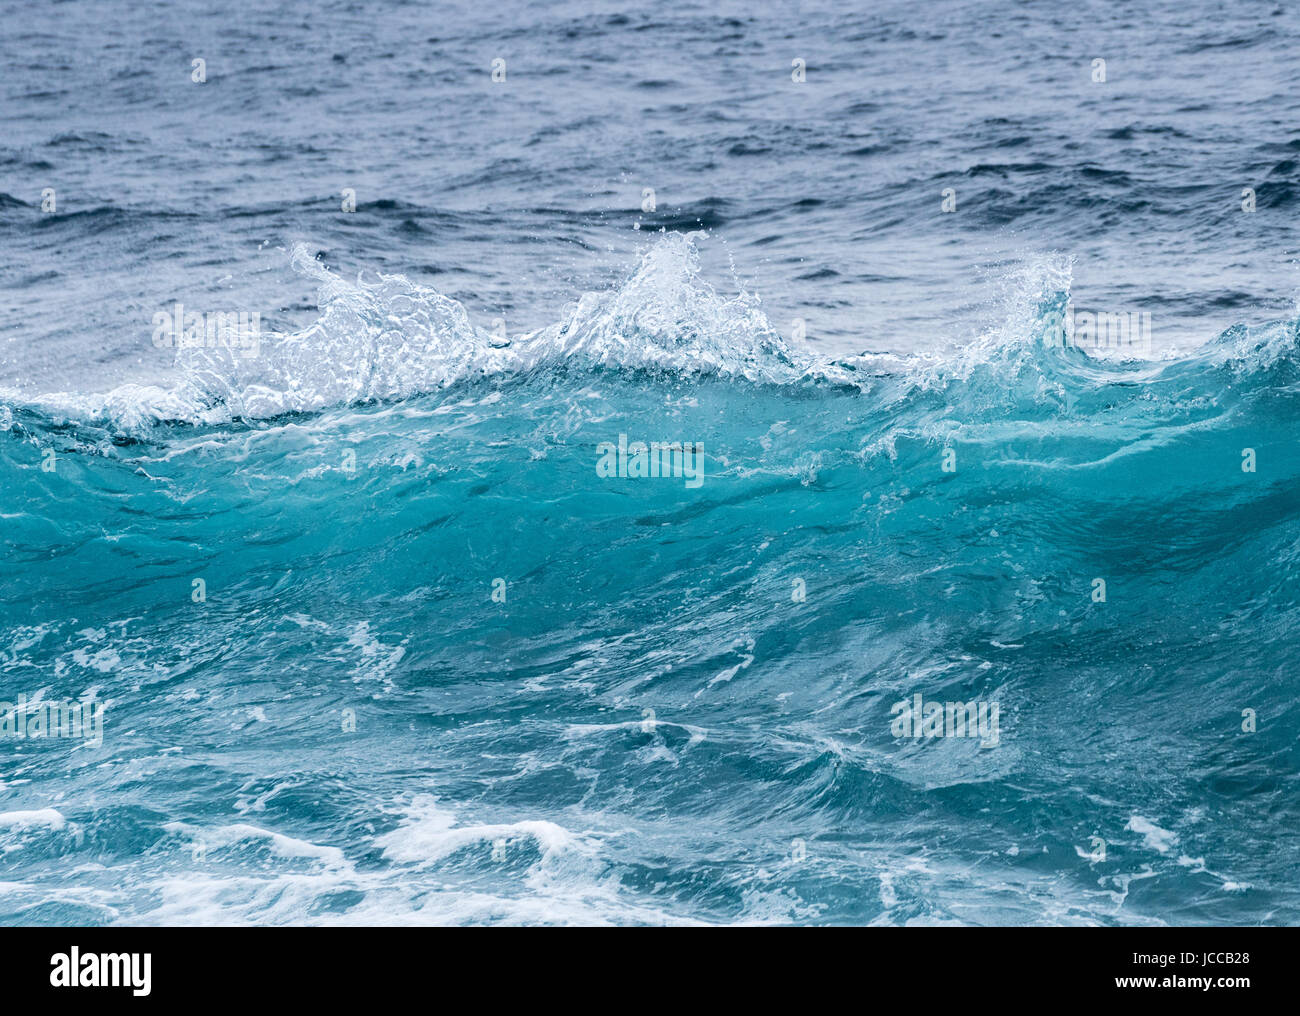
(376,641)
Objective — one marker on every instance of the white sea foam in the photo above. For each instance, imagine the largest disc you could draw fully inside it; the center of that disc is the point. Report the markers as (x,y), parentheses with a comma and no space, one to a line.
(1155,838)
(20,820)
(429,834)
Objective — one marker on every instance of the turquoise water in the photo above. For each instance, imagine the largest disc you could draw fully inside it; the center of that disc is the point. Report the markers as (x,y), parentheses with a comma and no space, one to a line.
(375,642)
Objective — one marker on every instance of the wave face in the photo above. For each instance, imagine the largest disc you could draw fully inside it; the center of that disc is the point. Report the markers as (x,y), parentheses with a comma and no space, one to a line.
(378,638)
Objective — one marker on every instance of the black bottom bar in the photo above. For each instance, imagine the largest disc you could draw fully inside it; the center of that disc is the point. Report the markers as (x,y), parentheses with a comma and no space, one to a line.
(339,966)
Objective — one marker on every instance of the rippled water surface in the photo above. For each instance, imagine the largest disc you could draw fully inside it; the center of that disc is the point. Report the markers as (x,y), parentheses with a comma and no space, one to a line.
(376,638)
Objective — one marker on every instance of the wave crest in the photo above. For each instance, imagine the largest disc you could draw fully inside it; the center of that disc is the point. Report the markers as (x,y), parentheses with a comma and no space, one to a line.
(389,338)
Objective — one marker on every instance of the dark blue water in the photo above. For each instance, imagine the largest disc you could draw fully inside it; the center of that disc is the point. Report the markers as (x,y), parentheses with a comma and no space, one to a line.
(381,621)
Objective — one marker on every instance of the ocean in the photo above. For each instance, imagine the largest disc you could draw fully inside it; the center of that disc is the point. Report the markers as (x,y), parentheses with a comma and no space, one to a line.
(582,464)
